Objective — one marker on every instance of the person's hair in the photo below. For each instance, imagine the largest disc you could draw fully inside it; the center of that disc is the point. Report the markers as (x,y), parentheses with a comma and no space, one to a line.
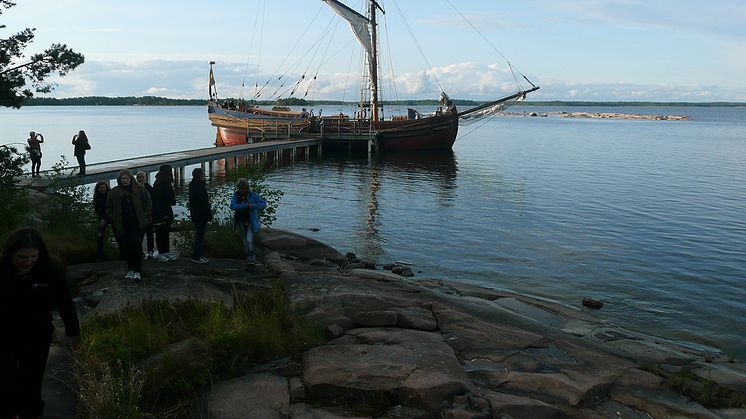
(125,172)
(101,182)
(198,173)
(242,183)
(26,238)
(165,175)
(141,173)
(81,135)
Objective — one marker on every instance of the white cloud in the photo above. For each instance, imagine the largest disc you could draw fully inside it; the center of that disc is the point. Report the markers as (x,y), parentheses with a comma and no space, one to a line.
(158,91)
(468,80)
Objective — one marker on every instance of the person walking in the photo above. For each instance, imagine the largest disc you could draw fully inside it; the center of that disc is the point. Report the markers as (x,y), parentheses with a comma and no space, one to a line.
(100,195)
(142,180)
(164,199)
(32,285)
(34,150)
(200,213)
(128,207)
(80,141)
(246,205)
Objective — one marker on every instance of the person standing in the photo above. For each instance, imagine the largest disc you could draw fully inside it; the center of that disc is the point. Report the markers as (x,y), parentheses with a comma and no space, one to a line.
(128,207)
(31,286)
(200,213)
(80,141)
(34,150)
(100,195)
(142,180)
(246,205)
(164,199)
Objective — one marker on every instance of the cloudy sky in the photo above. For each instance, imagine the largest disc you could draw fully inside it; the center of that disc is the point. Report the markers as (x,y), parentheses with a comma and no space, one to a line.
(591,50)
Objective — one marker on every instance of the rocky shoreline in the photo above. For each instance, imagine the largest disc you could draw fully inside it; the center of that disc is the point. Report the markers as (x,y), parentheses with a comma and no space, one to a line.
(401,347)
(603,115)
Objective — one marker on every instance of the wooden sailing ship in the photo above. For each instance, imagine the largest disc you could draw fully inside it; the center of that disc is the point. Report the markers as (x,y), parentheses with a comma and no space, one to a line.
(242,122)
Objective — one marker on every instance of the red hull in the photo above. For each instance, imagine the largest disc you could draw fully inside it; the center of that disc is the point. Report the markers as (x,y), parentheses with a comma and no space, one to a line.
(433,133)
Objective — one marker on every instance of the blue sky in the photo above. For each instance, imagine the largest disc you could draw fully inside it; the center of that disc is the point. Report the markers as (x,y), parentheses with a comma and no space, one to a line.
(576,50)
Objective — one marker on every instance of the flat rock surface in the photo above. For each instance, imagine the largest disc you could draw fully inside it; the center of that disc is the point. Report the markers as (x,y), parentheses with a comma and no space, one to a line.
(415,347)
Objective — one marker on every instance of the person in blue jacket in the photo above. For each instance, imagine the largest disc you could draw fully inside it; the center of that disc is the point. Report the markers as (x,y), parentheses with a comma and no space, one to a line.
(246,205)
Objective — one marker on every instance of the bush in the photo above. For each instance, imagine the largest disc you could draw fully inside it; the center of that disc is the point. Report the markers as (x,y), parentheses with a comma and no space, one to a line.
(253,329)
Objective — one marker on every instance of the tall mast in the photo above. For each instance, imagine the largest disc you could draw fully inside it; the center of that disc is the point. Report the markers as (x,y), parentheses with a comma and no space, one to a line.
(374,62)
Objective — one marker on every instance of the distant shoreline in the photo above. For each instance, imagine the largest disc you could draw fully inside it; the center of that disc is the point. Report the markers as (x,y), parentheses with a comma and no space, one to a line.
(162,101)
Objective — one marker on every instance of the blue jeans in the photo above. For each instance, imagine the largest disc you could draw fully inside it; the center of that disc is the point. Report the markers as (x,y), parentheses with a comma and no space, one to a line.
(247,235)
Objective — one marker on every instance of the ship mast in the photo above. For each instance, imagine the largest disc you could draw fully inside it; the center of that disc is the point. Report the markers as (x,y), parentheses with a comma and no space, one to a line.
(374,62)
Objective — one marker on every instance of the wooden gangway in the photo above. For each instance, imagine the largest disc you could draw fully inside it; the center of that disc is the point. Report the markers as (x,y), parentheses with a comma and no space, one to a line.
(178,160)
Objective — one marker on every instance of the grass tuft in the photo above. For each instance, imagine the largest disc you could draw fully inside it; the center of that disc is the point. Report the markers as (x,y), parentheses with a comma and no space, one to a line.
(253,329)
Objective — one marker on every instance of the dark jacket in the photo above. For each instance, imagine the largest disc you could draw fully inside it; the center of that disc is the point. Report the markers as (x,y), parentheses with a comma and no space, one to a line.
(99,205)
(28,301)
(81,145)
(140,199)
(199,202)
(164,199)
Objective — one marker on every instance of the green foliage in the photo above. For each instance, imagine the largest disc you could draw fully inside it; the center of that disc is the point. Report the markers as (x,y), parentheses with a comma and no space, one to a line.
(704,391)
(71,206)
(13,198)
(57,59)
(115,101)
(291,101)
(251,330)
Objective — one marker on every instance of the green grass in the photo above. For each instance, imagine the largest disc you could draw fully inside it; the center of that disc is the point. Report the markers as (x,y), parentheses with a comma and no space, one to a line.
(704,391)
(252,330)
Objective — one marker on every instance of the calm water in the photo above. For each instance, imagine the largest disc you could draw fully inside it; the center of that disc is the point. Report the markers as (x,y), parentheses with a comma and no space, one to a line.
(648,216)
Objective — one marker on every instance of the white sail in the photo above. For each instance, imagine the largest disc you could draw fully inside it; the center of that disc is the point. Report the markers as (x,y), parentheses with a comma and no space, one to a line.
(358,24)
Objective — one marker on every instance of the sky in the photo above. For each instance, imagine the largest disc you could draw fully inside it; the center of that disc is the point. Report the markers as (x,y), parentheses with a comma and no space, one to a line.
(595,50)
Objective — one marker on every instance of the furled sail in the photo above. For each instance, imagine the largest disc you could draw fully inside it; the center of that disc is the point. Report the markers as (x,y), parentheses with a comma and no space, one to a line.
(491,108)
(358,24)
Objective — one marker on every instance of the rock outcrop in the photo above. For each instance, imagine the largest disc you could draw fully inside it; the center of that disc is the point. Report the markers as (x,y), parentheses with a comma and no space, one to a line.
(407,348)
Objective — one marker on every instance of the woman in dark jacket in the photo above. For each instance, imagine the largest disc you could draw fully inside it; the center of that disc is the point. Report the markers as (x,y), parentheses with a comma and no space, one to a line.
(80,141)
(128,207)
(31,286)
(100,194)
(142,180)
(200,213)
(164,199)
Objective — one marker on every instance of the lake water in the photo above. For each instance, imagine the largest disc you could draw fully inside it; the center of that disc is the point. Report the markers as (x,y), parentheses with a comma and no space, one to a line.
(648,216)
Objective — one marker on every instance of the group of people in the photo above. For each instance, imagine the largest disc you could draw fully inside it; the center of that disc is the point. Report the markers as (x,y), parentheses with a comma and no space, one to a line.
(33,284)
(135,209)
(35,139)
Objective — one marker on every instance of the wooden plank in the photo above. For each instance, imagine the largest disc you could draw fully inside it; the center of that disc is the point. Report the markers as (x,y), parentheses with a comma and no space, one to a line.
(109,170)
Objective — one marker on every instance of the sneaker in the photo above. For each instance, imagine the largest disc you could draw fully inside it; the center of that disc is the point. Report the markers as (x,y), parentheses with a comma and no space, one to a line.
(201,260)
(172,256)
(136,277)
(250,264)
(149,255)
(129,274)
(204,259)
(162,257)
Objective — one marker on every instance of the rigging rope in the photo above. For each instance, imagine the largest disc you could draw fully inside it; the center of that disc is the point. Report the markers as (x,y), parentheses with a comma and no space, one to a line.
(422,54)
(248,57)
(302,37)
(493,47)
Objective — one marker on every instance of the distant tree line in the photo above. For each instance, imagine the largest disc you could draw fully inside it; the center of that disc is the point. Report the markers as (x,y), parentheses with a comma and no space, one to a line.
(622,103)
(163,101)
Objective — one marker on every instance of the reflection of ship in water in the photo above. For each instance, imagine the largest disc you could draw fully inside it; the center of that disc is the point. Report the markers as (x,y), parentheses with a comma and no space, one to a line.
(416,169)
